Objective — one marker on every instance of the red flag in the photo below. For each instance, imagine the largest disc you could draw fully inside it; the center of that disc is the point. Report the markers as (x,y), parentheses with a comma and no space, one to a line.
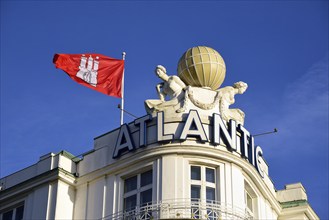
(96,71)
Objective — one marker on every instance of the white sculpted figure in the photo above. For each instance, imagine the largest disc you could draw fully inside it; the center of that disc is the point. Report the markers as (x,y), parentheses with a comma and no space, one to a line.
(172,87)
(227,98)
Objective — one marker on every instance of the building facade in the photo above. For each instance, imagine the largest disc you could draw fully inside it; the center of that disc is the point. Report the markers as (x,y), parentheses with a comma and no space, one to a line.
(189,158)
(162,167)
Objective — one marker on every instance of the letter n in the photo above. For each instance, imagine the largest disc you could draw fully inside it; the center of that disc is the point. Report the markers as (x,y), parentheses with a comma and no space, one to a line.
(228,135)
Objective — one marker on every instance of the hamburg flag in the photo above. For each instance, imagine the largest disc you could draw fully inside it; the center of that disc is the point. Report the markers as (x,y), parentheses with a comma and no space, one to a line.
(96,71)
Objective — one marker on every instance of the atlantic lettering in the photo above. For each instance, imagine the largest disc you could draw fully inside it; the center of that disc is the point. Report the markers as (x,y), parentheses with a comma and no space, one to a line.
(235,137)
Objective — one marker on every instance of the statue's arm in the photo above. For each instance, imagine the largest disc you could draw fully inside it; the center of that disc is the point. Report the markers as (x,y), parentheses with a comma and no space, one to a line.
(179,82)
(160,93)
(159,87)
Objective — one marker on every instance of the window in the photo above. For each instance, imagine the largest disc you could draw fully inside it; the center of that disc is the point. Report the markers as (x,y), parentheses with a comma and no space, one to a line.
(137,191)
(203,183)
(13,214)
(250,199)
(203,190)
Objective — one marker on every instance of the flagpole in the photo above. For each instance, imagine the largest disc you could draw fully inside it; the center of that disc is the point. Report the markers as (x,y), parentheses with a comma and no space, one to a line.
(122,90)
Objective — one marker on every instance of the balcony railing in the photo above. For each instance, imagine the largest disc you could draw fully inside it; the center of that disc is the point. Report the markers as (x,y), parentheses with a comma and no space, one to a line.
(183,209)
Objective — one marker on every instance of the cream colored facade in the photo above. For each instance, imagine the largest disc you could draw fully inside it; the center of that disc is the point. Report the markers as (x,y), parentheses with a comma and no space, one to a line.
(175,177)
(189,158)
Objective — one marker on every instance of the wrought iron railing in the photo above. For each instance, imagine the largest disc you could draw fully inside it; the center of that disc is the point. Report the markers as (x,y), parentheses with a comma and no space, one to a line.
(183,209)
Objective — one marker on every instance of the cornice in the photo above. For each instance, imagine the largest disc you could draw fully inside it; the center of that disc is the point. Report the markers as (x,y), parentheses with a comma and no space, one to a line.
(23,188)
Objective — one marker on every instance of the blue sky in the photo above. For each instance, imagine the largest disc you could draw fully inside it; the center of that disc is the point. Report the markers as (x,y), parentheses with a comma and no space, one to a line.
(280,48)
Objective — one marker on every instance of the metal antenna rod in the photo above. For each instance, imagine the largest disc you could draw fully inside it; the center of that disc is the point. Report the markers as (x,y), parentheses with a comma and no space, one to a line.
(270,132)
(119,107)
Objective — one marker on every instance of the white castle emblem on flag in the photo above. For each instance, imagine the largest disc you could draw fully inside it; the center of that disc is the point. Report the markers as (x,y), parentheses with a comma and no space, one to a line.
(88,73)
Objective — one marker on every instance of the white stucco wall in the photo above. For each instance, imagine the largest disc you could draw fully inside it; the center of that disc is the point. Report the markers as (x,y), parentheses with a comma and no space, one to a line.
(38,203)
(65,199)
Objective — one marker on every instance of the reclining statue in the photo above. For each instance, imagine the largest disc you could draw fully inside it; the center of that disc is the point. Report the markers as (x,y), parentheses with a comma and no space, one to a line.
(226,99)
(171,87)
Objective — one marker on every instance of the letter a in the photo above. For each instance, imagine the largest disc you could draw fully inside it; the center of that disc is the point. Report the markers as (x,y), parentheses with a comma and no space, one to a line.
(193,127)
(124,141)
